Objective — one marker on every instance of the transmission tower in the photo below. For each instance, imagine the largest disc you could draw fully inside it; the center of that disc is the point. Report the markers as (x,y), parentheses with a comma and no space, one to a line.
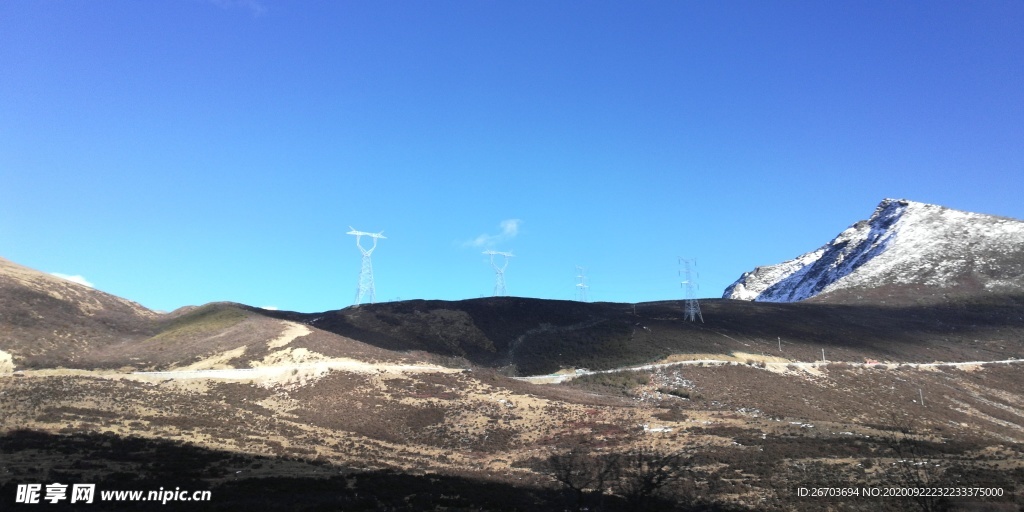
(499,272)
(581,286)
(692,307)
(366,272)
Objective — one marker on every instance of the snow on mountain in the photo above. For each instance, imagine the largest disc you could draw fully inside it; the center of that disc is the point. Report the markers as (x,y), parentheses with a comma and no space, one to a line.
(904,243)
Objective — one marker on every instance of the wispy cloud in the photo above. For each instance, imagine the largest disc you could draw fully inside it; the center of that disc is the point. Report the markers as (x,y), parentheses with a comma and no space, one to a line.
(74,279)
(509,230)
(255,6)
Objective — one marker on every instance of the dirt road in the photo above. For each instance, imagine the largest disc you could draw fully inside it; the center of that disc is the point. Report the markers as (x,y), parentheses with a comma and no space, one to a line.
(772,366)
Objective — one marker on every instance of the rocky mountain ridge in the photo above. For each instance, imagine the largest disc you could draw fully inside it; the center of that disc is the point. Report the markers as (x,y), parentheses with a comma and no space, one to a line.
(905,251)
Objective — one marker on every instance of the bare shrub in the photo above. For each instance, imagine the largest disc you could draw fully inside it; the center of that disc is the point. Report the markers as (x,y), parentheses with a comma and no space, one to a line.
(643,479)
(643,474)
(913,465)
(582,474)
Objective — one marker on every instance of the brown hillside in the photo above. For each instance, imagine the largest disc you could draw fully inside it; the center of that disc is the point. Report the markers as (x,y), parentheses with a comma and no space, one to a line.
(535,336)
(46,320)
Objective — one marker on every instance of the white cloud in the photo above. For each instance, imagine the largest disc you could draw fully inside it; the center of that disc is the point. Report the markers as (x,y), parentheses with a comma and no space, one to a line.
(269,308)
(74,279)
(509,230)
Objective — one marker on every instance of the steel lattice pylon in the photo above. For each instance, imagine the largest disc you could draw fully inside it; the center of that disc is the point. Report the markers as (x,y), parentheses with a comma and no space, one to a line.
(499,272)
(366,271)
(692,307)
(581,286)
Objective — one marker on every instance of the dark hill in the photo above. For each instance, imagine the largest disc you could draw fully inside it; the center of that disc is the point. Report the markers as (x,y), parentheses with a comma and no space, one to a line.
(536,336)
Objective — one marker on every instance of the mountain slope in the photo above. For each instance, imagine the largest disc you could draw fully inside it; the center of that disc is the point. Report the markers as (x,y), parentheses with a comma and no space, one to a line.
(906,252)
(42,315)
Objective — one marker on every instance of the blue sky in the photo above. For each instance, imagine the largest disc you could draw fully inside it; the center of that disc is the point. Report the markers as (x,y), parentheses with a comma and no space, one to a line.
(177,152)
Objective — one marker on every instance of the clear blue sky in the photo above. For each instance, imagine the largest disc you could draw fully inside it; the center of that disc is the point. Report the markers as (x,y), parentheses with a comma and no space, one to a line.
(177,152)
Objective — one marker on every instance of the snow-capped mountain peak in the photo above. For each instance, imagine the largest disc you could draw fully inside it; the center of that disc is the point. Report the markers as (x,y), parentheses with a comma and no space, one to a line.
(904,243)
